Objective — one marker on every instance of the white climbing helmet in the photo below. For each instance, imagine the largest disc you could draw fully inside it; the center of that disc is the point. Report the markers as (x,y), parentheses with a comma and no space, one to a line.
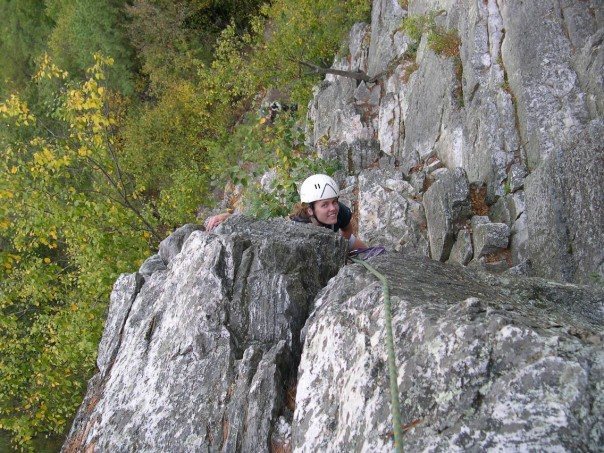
(318,187)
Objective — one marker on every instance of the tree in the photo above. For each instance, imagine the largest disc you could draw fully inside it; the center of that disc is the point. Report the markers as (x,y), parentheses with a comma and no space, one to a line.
(24,28)
(66,207)
(85,27)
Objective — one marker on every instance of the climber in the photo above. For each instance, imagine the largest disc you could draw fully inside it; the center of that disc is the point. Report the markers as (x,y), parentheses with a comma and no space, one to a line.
(318,205)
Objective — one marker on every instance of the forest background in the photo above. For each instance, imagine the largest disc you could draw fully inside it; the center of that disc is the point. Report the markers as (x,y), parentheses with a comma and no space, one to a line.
(118,121)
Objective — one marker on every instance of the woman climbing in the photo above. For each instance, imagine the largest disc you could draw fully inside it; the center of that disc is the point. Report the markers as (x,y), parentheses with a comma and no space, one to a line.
(318,205)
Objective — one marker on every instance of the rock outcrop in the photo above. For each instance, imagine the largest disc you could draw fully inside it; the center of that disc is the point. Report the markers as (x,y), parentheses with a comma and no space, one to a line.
(484,362)
(509,92)
(202,354)
(199,355)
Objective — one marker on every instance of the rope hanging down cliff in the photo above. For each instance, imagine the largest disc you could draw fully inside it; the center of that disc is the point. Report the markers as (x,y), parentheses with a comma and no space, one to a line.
(392,370)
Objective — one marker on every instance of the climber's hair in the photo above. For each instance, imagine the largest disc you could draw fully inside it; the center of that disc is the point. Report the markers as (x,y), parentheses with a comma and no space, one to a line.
(300,210)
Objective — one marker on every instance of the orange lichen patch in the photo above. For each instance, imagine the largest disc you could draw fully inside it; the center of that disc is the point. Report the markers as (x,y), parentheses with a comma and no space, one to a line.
(76,443)
(280,447)
(225,429)
(478,195)
(416,168)
(427,183)
(413,424)
(502,255)
(290,397)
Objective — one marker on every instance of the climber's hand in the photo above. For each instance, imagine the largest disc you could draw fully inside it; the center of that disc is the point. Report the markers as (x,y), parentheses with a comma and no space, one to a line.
(214,221)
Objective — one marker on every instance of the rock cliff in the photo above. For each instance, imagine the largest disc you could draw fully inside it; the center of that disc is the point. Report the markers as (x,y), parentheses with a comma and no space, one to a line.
(501,99)
(205,350)
(474,155)
(198,353)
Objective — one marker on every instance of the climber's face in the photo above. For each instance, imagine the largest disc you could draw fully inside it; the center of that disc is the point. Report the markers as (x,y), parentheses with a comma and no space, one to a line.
(325,211)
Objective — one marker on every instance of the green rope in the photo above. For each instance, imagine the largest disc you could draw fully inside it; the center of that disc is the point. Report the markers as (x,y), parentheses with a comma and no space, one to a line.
(392,370)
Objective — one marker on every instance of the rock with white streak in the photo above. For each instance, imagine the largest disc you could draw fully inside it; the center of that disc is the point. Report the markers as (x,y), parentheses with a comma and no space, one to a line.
(484,363)
(199,356)
(171,246)
(447,206)
(388,214)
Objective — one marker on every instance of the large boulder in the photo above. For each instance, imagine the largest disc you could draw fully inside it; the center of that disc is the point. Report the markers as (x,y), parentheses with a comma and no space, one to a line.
(447,206)
(484,363)
(199,356)
(389,213)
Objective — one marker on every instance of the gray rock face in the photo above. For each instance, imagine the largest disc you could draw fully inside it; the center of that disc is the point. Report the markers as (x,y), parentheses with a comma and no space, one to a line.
(516,177)
(490,237)
(389,216)
(338,126)
(386,41)
(520,107)
(427,129)
(484,363)
(171,246)
(447,206)
(151,265)
(199,357)
(124,292)
(463,250)
(559,111)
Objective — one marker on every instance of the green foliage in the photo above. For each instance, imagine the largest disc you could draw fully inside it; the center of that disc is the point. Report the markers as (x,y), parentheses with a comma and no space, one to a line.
(85,27)
(99,160)
(23,32)
(64,212)
(416,26)
(507,187)
(276,148)
(159,139)
(444,42)
(303,30)
(440,40)
(174,37)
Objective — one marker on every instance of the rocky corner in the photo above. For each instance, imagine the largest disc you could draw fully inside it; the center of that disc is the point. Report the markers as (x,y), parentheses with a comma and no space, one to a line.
(474,108)
(473,152)
(202,346)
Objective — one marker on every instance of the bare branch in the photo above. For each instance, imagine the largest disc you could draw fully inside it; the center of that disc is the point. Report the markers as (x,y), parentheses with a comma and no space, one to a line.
(357,75)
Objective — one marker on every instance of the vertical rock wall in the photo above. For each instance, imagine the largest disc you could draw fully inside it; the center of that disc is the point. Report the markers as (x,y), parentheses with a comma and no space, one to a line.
(518,108)
(200,347)
(484,363)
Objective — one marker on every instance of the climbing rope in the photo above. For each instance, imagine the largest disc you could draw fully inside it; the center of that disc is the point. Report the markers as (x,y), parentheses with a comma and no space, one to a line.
(392,370)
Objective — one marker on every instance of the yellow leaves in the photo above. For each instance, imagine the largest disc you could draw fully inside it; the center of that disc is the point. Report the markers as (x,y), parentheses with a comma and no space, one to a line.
(43,157)
(9,260)
(73,307)
(100,61)
(82,152)
(46,160)
(13,170)
(14,108)
(49,70)
(46,260)
(5,193)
